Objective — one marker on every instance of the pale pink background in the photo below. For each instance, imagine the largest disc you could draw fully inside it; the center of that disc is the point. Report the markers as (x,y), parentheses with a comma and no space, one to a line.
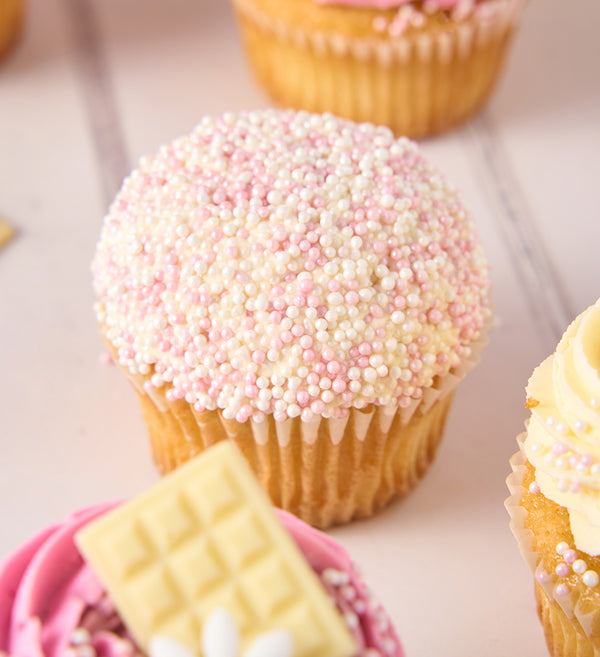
(93,85)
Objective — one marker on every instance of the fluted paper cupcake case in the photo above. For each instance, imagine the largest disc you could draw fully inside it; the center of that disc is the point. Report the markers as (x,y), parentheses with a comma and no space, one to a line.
(328,471)
(419,83)
(569,626)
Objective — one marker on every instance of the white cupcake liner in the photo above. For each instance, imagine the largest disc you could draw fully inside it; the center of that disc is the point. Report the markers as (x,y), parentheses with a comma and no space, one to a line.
(444,75)
(570,603)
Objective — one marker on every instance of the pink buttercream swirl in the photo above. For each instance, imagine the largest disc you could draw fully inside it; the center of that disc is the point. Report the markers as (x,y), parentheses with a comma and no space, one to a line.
(48,593)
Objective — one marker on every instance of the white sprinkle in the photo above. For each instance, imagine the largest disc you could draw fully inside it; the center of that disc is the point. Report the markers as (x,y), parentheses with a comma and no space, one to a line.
(590,578)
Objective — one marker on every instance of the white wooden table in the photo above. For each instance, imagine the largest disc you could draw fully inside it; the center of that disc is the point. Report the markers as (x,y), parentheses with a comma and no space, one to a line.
(93,85)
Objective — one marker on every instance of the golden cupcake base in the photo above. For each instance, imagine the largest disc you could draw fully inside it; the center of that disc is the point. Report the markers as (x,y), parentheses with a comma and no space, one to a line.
(418,84)
(11,20)
(565,636)
(322,482)
(571,622)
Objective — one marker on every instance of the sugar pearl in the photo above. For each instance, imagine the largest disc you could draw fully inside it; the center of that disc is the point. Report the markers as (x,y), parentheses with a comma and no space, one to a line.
(561,590)
(590,578)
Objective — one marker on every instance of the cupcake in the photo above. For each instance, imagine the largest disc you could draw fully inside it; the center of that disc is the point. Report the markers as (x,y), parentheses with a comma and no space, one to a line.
(305,286)
(419,67)
(53,603)
(555,489)
(11,18)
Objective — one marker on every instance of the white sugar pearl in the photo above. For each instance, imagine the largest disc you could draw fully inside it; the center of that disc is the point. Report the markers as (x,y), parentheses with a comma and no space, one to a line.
(591,578)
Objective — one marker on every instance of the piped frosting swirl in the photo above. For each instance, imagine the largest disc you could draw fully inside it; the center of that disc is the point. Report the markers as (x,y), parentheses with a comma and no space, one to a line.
(563,437)
(53,605)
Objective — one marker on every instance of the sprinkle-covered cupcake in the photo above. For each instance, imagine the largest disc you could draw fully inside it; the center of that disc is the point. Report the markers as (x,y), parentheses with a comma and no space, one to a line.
(417,66)
(556,486)
(305,286)
(55,603)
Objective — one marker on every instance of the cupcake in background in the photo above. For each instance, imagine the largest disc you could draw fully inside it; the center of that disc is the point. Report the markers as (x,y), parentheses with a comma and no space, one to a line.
(555,486)
(11,19)
(307,287)
(418,67)
(55,602)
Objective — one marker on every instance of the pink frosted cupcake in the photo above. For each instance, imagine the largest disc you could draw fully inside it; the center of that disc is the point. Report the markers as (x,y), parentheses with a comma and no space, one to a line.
(305,286)
(52,603)
(419,67)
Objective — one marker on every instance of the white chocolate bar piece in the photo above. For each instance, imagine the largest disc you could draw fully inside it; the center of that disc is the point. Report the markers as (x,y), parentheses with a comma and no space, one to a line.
(206,537)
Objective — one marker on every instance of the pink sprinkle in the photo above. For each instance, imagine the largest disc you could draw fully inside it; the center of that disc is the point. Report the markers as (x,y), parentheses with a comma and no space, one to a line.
(352,298)
(318,406)
(298,330)
(559,448)
(309,355)
(328,354)
(302,397)
(435,316)
(364,349)
(570,556)
(258,356)
(416,365)
(334,367)
(306,285)
(376,310)
(251,391)
(562,570)
(338,385)
(306,341)
(534,488)
(561,589)
(543,576)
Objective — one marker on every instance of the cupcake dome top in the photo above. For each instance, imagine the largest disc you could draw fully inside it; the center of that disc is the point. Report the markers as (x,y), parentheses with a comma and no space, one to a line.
(288,263)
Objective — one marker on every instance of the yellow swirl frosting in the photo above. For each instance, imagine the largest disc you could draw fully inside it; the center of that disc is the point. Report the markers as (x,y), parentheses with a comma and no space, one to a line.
(563,435)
